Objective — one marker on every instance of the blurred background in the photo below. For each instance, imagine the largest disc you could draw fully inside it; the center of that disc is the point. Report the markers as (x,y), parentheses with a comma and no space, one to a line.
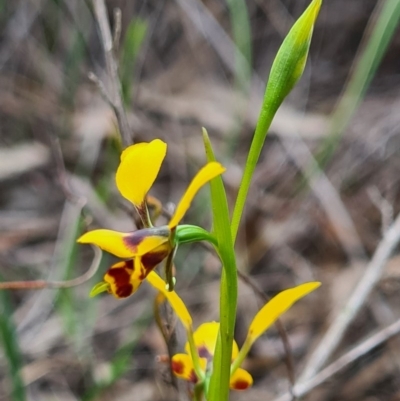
(183,65)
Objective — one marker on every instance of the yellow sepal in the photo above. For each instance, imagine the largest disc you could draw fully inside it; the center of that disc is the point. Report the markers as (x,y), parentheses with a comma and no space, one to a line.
(127,245)
(109,241)
(206,174)
(276,307)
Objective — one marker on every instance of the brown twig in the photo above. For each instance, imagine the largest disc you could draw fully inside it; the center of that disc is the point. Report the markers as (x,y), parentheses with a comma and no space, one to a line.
(113,94)
(358,351)
(39,284)
(369,279)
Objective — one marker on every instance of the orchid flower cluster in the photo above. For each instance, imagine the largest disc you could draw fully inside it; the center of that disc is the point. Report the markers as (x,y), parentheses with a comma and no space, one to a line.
(142,250)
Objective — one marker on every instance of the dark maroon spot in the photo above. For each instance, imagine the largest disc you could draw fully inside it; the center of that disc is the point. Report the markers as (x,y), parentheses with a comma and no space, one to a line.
(240,385)
(204,353)
(151,260)
(193,377)
(177,367)
(121,275)
(133,239)
(124,291)
(129,264)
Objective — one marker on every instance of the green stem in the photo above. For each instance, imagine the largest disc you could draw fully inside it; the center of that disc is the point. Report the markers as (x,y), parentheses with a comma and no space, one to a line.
(241,356)
(263,124)
(198,391)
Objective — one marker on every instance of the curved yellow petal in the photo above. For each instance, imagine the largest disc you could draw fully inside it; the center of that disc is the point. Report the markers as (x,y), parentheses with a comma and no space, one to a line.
(173,298)
(276,307)
(206,174)
(127,245)
(182,366)
(140,164)
(241,380)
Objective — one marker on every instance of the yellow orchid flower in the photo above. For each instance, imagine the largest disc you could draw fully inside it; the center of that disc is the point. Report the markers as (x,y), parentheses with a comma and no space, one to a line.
(196,363)
(147,247)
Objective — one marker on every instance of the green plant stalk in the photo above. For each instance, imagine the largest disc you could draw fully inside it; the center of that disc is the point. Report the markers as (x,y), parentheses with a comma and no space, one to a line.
(219,382)
(286,70)
(384,27)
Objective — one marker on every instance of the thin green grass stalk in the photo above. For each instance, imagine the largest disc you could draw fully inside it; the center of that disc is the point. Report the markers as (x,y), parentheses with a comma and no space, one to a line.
(134,39)
(286,70)
(219,384)
(9,340)
(384,27)
(241,32)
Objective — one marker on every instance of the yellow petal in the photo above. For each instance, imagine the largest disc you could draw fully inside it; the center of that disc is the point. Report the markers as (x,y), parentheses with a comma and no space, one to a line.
(206,174)
(99,288)
(205,339)
(127,245)
(182,366)
(176,302)
(276,307)
(241,380)
(138,169)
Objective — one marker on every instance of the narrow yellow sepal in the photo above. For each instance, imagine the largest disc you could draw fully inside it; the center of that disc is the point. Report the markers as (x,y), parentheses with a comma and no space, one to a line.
(109,241)
(206,174)
(276,307)
(128,245)
(173,298)
(139,167)
(99,288)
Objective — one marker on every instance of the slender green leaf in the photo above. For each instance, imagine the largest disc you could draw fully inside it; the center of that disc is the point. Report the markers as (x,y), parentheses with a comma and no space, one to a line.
(219,384)
(134,38)
(384,26)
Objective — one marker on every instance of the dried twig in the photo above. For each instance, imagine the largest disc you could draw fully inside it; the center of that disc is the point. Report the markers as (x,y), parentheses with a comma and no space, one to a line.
(370,277)
(39,284)
(113,94)
(384,207)
(358,351)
